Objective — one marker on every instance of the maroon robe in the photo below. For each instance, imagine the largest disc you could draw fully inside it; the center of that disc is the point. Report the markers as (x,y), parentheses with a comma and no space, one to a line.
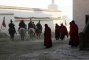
(74,37)
(47,37)
(57,32)
(63,32)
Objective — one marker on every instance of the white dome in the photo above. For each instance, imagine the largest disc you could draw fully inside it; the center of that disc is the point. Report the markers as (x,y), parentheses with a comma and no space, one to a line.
(53,7)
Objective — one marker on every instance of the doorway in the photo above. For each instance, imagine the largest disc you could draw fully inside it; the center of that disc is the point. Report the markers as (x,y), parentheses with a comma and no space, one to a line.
(86,18)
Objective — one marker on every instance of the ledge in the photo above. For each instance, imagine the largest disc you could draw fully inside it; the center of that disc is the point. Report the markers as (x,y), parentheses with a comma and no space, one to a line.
(26,8)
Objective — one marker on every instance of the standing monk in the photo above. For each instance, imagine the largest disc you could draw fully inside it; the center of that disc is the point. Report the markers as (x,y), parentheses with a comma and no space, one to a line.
(74,36)
(63,32)
(57,31)
(47,37)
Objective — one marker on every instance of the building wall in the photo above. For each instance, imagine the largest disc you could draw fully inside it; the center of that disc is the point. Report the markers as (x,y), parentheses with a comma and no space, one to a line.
(11,14)
(80,9)
(27,13)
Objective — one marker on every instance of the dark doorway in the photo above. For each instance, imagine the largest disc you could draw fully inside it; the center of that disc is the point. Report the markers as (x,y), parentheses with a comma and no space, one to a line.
(87,18)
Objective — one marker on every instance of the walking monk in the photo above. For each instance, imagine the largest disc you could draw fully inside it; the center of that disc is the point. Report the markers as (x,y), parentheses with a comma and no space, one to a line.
(63,32)
(47,37)
(74,36)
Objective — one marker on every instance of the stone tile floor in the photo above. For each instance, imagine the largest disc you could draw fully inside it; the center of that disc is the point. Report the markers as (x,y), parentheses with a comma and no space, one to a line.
(34,50)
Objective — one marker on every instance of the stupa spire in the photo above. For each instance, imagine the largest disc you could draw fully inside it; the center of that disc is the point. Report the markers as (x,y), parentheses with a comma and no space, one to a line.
(53,1)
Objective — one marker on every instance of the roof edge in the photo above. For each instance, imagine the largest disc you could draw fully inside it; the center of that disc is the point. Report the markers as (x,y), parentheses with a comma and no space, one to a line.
(27,8)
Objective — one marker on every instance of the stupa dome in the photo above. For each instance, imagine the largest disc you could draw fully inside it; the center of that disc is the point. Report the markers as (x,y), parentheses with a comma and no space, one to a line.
(53,7)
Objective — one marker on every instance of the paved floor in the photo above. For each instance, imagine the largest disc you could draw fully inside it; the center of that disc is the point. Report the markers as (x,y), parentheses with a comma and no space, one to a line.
(35,50)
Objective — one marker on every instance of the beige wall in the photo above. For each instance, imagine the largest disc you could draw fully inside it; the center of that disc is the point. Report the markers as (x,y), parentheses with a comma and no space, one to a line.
(80,9)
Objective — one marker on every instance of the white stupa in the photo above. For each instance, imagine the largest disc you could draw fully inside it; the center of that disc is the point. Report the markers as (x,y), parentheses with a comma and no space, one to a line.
(49,16)
(53,6)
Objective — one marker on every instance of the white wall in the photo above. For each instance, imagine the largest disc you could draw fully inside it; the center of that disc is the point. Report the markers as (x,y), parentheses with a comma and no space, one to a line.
(26,13)
(23,13)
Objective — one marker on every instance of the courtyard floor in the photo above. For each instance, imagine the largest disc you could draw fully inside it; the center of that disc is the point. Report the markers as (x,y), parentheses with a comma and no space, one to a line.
(35,50)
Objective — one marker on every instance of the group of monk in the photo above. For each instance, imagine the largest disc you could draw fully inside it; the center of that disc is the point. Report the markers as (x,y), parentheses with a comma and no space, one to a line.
(60,33)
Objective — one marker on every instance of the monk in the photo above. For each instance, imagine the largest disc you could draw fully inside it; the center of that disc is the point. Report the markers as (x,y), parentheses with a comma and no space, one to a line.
(74,36)
(63,32)
(57,31)
(47,37)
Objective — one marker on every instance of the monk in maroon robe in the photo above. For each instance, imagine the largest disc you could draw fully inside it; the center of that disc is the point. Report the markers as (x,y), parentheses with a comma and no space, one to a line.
(47,37)
(63,32)
(74,36)
(57,31)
